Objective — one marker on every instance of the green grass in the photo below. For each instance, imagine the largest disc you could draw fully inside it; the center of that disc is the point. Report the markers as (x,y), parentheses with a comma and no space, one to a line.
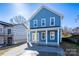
(71,43)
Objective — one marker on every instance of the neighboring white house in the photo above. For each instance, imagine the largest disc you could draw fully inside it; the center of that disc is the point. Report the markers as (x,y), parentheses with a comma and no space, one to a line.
(12,34)
(1,34)
(19,33)
(5,33)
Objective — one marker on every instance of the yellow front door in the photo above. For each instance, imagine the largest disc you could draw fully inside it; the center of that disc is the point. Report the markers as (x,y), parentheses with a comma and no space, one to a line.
(35,37)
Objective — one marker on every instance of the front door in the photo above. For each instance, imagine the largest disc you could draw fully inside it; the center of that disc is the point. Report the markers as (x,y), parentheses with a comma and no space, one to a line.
(9,41)
(35,37)
(43,36)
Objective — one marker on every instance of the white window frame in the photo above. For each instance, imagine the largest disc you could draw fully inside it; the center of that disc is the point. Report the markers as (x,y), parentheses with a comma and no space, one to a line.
(41,36)
(36,23)
(54,35)
(51,20)
(42,22)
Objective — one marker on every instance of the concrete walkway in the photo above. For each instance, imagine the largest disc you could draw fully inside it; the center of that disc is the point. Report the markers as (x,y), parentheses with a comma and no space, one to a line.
(16,51)
(30,53)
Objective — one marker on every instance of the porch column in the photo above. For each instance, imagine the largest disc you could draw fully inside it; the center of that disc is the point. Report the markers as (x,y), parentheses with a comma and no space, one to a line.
(58,37)
(36,36)
(28,34)
(46,36)
(61,35)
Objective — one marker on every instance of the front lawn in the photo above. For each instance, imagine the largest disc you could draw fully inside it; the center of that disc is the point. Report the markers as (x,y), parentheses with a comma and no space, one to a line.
(70,48)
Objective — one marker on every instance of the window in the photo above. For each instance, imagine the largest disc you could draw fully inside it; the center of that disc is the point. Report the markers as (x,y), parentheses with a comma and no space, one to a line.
(35,37)
(9,31)
(43,22)
(52,21)
(52,35)
(35,23)
(43,35)
(0,29)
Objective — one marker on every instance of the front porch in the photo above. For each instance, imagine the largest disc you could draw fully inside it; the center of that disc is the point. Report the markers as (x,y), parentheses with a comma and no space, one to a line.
(48,36)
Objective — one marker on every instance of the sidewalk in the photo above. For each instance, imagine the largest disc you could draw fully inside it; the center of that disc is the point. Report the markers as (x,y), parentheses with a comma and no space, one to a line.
(16,51)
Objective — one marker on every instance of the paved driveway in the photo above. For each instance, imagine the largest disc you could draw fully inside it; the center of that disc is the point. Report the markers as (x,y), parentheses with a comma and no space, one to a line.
(16,50)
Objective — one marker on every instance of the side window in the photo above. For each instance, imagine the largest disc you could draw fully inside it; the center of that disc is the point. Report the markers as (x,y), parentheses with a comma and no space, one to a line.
(9,31)
(35,23)
(52,35)
(43,22)
(52,21)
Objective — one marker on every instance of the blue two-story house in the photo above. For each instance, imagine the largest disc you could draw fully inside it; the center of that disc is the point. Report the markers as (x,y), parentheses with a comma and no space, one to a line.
(45,27)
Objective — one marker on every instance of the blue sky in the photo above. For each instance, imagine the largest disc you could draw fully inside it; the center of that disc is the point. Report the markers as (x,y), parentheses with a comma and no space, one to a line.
(70,11)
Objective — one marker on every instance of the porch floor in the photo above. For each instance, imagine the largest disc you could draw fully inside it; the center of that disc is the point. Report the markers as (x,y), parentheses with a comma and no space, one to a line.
(47,50)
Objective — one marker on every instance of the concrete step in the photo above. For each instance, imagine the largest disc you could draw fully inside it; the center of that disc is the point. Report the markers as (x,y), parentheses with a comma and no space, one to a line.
(48,50)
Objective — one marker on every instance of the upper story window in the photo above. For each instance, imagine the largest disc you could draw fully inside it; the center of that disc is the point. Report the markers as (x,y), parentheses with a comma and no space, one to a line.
(35,23)
(52,21)
(43,22)
(9,31)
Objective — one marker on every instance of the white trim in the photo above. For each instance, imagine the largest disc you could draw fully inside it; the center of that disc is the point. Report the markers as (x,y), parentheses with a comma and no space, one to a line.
(38,36)
(54,35)
(58,37)
(46,37)
(52,18)
(44,22)
(42,29)
(61,35)
(34,23)
(41,35)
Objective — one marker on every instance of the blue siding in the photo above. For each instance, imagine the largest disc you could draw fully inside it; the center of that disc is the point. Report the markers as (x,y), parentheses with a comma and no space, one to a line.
(45,13)
(55,40)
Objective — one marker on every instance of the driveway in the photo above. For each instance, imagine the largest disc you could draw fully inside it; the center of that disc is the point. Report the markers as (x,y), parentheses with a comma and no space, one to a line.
(16,50)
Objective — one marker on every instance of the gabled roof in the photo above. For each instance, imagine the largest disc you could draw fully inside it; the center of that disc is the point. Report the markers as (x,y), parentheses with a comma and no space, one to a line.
(5,23)
(21,24)
(35,12)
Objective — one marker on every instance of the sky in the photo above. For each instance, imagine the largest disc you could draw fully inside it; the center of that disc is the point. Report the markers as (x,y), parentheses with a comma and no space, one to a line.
(69,11)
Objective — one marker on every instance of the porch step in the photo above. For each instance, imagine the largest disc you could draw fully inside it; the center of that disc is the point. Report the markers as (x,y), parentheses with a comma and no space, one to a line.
(47,51)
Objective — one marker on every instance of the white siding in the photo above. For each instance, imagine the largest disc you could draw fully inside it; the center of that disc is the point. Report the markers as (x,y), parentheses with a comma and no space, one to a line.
(6,29)
(1,32)
(1,40)
(1,37)
(19,34)
(1,26)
